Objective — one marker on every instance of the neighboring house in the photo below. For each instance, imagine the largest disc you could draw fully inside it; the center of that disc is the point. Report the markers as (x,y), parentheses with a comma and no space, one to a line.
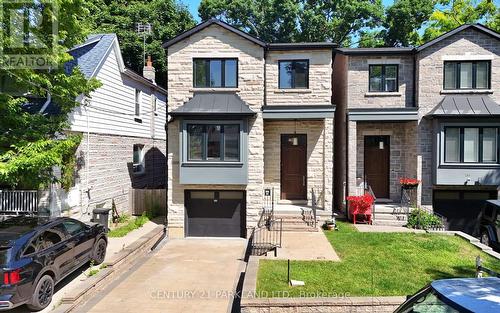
(247,116)
(123,130)
(431,113)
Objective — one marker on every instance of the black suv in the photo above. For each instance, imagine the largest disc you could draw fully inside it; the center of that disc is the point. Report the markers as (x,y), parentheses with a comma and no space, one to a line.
(490,224)
(36,253)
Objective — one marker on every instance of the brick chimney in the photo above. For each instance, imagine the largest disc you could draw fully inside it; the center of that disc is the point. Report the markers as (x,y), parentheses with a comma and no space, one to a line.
(149,71)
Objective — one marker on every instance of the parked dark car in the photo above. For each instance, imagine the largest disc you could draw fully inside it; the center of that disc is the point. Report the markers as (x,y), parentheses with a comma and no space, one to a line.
(462,295)
(36,253)
(490,224)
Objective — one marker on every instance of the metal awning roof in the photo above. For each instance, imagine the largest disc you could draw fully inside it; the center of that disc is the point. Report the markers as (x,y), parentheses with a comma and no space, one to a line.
(384,114)
(466,106)
(298,112)
(214,103)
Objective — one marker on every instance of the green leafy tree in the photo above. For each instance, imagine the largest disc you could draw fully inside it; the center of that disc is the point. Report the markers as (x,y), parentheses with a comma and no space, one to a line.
(31,144)
(296,20)
(455,13)
(167,18)
(404,19)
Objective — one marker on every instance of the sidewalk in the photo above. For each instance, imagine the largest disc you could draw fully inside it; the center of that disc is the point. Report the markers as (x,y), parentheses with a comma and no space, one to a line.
(76,279)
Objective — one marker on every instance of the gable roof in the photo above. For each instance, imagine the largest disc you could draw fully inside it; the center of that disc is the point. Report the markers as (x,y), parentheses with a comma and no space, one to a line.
(208,23)
(477,27)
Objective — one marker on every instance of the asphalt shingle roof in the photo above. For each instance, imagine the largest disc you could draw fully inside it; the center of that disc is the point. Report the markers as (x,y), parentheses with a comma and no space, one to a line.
(90,55)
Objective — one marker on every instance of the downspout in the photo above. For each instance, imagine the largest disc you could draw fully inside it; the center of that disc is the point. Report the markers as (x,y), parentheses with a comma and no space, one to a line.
(87,157)
(46,104)
(265,77)
(414,79)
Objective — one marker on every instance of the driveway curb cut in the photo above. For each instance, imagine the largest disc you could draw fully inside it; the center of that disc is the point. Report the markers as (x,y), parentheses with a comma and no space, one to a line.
(120,263)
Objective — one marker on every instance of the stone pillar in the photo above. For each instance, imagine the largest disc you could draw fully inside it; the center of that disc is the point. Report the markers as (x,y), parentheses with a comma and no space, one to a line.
(351,157)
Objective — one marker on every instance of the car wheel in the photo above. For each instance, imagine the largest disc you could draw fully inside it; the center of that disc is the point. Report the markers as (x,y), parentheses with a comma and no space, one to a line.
(485,239)
(42,295)
(99,251)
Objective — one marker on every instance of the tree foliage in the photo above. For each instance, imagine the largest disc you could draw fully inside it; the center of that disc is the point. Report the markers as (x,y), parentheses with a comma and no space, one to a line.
(31,144)
(296,20)
(167,17)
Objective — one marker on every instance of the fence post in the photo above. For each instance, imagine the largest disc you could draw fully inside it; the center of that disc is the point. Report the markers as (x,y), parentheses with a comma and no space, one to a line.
(479,272)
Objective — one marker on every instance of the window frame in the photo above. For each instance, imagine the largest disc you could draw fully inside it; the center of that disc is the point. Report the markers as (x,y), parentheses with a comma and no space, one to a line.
(223,72)
(142,162)
(382,83)
(474,75)
(204,149)
(480,145)
(39,235)
(293,79)
(137,101)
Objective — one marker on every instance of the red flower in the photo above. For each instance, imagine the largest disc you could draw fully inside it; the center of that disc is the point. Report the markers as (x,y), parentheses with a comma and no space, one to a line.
(405,181)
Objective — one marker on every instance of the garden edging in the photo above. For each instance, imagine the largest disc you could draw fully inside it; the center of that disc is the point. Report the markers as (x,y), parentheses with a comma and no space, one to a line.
(250,303)
(111,270)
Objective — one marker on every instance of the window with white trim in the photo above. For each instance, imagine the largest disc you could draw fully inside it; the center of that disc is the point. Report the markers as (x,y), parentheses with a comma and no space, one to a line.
(138,159)
(471,145)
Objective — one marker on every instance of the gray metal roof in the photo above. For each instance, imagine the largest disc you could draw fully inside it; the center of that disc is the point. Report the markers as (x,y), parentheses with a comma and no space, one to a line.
(214,103)
(90,55)
(466,105)
(300,112)
(376,51)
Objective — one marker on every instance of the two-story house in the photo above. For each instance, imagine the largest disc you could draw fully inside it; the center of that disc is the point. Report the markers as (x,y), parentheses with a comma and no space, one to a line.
(246,116)
(430,113)
(122,128)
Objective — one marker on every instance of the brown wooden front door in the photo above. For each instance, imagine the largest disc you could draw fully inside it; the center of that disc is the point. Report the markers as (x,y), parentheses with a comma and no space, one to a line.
(376,162)
(293,167)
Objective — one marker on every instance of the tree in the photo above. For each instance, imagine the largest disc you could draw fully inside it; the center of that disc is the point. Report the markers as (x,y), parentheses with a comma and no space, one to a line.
(455,13)
(31,144)
(404,19)
(269,20)
(167,18)
(296,20)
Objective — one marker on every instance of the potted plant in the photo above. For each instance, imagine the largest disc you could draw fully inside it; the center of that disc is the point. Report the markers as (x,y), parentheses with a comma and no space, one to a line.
(329,224)
(408,183)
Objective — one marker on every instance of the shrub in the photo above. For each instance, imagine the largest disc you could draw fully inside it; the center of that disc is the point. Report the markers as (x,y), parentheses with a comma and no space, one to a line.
(422,219)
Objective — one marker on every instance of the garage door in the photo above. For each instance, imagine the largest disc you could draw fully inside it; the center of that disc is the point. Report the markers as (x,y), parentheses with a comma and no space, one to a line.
(215,213)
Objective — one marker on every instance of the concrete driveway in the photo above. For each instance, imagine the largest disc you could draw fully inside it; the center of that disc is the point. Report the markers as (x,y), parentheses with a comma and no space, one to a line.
(184,275)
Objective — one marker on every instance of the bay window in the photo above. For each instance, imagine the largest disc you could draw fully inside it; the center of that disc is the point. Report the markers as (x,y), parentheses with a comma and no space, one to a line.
(213,142)
(467,75)
(471,145)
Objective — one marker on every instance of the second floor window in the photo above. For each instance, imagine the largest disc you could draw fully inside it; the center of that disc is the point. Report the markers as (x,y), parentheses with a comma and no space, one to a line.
(467,75)
(213,142)
(471,145)
(137,102)
(383,78)
(293,74)
(215,73)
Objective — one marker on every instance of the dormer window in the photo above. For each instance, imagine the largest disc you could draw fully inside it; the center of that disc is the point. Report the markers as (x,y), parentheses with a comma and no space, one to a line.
(467,75)
(215,73)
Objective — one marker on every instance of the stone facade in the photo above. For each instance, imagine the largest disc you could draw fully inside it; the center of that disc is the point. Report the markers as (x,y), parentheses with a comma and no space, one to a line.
(358,80)
(320,78)
(213,42)
(319,156)
(467,45)
(402,151)
(104,172)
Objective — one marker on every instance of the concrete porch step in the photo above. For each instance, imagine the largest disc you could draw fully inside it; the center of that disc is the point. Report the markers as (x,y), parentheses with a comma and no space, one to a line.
(388,222)
(390,217)
(300,229)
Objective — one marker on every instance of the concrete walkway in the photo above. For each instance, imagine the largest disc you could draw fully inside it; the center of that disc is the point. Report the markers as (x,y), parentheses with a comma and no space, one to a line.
(305,246)
(184,275)
(365,228)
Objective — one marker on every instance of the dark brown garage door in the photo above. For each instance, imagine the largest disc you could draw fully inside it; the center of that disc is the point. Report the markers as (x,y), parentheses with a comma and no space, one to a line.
(215,213)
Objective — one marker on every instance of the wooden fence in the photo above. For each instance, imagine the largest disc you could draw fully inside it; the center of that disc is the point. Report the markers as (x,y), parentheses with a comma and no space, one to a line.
(142,200)
(18,201)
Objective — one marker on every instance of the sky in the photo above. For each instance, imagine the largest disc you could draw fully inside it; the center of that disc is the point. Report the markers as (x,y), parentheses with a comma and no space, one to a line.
(193,6)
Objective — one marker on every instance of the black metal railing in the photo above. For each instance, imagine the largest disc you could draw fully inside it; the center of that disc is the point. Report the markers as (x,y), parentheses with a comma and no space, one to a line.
(310,216)
(267,238)
(267,214)
(18,202)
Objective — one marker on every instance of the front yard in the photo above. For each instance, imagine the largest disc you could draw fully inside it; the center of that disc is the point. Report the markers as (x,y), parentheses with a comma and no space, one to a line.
(378,264)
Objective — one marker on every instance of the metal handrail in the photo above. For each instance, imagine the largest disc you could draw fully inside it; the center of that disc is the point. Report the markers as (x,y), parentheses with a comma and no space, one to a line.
(314,206)
(267,238)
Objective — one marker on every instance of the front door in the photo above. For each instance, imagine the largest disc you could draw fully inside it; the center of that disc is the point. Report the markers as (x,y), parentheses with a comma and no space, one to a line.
(376,160)
(294,167)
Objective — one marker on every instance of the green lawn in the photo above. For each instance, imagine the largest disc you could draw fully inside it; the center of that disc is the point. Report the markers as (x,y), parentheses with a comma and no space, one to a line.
(379,264)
